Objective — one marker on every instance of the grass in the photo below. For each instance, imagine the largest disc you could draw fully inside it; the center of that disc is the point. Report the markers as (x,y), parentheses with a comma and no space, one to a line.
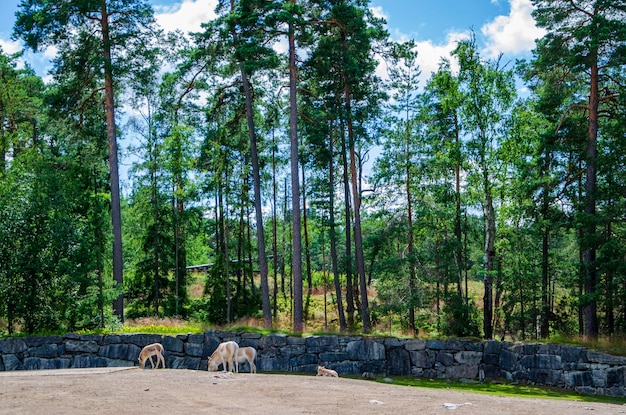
(504,389)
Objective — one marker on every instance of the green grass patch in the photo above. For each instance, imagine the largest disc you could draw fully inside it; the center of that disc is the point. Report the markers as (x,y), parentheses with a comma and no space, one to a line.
(504,389)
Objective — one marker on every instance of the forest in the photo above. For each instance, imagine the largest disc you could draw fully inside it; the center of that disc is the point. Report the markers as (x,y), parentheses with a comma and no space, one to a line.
(267,162)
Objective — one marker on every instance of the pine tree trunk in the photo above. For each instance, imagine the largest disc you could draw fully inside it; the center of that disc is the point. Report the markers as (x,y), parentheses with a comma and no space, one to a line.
(589,254)
(333,238)
(116,211)
(296,261)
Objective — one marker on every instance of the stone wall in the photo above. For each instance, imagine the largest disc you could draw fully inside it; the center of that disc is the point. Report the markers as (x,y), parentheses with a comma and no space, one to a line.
(568,367)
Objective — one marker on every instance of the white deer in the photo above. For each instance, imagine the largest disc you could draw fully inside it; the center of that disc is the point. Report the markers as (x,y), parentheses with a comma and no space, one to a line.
(154,349)
(225,353)
(247,354)
(322,371)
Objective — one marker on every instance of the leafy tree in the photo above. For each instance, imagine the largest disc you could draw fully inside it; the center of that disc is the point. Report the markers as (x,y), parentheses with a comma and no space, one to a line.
(399,161)
(585,40)
(119,24)
(488,93)
(350,28)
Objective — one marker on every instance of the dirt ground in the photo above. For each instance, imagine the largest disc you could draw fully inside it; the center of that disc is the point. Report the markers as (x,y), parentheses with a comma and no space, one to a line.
(134,391)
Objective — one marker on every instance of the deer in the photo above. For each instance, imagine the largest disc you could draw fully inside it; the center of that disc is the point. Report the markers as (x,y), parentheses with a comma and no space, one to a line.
(246,354)
(226,352)
(322,371)
(154,349)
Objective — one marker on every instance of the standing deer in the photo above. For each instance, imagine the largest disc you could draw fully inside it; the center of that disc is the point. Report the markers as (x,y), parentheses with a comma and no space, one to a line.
(154,349)
(225,353)
(246,354)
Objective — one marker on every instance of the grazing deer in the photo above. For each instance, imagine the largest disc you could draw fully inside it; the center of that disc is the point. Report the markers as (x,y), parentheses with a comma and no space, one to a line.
(246,354)
(322,371)
(154,349)
(225,353)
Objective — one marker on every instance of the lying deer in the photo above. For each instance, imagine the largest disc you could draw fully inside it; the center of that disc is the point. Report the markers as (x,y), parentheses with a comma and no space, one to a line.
(225,353)
(247,354)
(322,371)
(154,349)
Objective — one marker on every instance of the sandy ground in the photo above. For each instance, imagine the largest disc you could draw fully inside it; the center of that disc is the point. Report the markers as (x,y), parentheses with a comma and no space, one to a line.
(190,392)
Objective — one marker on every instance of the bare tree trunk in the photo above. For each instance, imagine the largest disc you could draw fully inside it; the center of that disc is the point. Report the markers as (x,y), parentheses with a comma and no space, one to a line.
(356,202)
(333,239)
(296,261)
(274,227)
(412,272)
(116,211)
(223,244)
(348,226)
(589,254)
(307,250)
(458,252)
(489,260)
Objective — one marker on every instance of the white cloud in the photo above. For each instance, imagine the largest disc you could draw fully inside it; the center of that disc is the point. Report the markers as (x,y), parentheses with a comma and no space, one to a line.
(379,12)
(513,34)
(429,54)
(186,16)
(10,47)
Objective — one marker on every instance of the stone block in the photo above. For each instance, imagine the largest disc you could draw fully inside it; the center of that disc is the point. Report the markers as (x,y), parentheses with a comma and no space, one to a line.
(462,372)
(320,344)
(173,344)
(605,359)
(127,351)
(444,358)
(454,345)
(546,377)
(194,349)
(599,377)
(541,361)
(12,345)
(468,358)
(333,357)
(356,368)
(615,377)
(180,362)
(273,340)
(366,350)
(35,363)
(398,362)
(46,351)
(38,341)
(80,346)
(508,360)
(436,344)
(277,363)
(491,359)
(491,371)
(294,350)
(307,359)
(11,362)
(89,360)
(492,347)
(423,360)
(112,339)
(392,342)
(472,346)
(415,345)
(571,354)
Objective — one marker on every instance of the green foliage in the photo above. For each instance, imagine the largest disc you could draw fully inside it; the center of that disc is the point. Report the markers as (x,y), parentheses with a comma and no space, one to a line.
(505,389)
(461,318)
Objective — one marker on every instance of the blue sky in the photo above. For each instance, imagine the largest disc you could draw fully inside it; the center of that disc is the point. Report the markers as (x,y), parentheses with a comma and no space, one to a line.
(501,26)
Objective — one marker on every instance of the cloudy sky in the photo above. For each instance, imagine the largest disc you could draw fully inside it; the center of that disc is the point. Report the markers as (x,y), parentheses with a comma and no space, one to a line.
(501,26)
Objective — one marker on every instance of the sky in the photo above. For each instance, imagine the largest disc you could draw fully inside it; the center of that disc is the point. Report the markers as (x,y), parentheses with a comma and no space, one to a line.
(501,26)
